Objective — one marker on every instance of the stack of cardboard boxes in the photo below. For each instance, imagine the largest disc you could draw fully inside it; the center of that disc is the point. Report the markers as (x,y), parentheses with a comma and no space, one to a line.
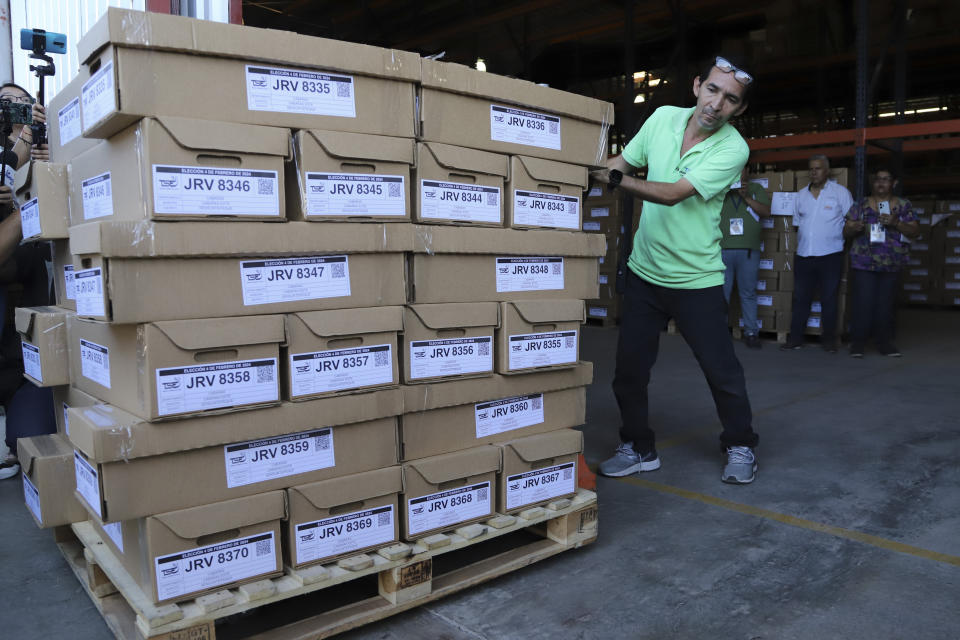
(603,214)
(932,275)
(268,363)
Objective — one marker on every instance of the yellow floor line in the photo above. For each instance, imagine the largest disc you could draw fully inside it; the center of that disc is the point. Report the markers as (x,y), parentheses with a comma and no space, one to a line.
(876,541)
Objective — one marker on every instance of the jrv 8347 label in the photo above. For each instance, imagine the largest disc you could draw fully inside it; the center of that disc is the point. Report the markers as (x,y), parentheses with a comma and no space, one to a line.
(294,279)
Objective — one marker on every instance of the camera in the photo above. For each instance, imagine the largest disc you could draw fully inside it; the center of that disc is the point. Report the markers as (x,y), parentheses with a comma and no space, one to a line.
(15,112)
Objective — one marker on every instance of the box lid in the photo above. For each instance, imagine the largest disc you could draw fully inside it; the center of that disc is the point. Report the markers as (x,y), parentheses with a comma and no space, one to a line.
(433,239)
(460,464)
(463,159)
(25,317)
(361,486)
(192,335)
(547,445)
(345,322)
(457,314)
(423,397)
(32,449)
(553,172)
(147,239)
(362,146)
(149,30)
(196,522)
(212,135)
(542,311)
(457,78)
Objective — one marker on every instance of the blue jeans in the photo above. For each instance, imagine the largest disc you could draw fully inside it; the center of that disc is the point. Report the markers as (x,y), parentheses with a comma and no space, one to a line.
(742,265)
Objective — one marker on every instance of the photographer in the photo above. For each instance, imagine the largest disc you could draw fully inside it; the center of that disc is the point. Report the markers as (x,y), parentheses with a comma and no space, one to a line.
(21,140)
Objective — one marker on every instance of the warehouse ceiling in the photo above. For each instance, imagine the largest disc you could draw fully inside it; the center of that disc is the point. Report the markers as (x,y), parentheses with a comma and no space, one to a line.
(803,52)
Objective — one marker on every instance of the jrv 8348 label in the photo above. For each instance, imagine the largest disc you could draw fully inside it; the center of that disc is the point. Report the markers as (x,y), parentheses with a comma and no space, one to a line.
(529,274)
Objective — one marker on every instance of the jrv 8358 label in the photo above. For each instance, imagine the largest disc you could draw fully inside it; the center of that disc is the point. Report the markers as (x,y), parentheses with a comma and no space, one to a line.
(216,386)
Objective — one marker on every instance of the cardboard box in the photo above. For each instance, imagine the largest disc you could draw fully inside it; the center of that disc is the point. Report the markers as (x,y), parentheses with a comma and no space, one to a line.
(947,206)
(455,185)
(137,64)
(128,489)
(467,265)
(66,397)
(122,287)
(470,108)
(544,194)
(923,209)
(63,285)
(182,554)
(779,262)
(162,370)
(776,223)
(538,469)
(43,336)
(787,242)
(919,297)
(337,176)
(64,128)
(446,416)
(540,334)
(179,168)
(786,281)
(603,309)
(41,189)
(603,216)
(340,517)
(773,301)
(448,340)
(331,352)
(444,492)
(47,464)
(768,283)
(107,434)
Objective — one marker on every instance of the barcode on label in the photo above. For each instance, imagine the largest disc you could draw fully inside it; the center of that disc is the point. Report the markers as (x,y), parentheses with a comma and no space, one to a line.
(557,268)
(265,186)
(536,403)
(383,519)
(343,90)
(570,342)
(264,374)
(482,494)
(493,199)
(337,268)
(483,348)
(568,473)
(263,548)
(322,443)
(553,128)
(394,190)
(381,358)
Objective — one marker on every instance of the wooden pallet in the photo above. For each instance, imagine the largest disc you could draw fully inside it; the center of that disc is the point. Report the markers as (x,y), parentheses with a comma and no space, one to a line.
(407,575)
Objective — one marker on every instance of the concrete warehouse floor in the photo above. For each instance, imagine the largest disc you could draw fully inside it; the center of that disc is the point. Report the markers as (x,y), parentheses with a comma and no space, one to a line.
(852,529)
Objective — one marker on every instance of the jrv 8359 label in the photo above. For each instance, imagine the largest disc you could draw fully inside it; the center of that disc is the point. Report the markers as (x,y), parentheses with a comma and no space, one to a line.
(280,457)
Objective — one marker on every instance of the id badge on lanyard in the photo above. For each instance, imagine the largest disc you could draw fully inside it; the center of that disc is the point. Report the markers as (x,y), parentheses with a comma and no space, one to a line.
(736,226)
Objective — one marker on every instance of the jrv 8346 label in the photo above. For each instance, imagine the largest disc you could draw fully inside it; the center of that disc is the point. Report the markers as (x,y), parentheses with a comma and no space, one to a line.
(213,191)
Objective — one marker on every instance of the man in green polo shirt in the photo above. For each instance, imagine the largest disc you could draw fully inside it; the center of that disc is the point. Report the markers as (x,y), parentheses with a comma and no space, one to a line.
(675,270)
(740,248)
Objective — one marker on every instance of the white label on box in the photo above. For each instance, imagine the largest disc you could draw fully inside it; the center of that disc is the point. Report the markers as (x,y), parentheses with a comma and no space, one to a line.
(542,349)
(919,297)
(293,279)
(600,212)
(339,369)
(783,202)
(813,322)
(952,260)
(31,361)
(88,482)
(524,127)
(458,201)
(280,457)
(918,246)
(66,419)
(508,414)
(115,531)
(595,192)
(536,209)
(68,119)
(70,285)
(816,307)
(591,226)
(295,91)
(953,233)
(765,301)
(541,484)
(355,194)
(761,285)
(767,223)
(88,292)
(603,278)
(919,272)
(216,386)
(954,206)
(952,286)
(32,497)
(215,192)
(529,274)
(600,259)
(447,508)
(95,362)
(597,312)
(30,219)
(98,96)
(766,264)
(912,286)
(763,182)
(97,197)
(450,357)
(207,567)
(344,533)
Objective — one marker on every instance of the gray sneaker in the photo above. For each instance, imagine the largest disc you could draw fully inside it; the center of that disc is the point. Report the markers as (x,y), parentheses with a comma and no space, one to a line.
(741,466)
(626,461)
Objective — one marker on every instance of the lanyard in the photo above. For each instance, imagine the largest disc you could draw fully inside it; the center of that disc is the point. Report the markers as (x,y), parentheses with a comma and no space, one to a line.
(737,201)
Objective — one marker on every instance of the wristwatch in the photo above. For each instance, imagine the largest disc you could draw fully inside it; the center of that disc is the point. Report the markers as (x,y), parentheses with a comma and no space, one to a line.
(614,177)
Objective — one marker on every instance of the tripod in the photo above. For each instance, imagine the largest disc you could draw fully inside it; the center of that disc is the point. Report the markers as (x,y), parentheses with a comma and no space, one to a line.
(42,71)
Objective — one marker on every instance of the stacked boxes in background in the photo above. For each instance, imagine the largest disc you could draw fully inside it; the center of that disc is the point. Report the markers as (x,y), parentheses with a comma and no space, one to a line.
(260,344)
(603,214)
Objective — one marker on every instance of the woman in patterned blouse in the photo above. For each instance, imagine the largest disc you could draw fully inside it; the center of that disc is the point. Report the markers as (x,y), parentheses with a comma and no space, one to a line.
(880,226)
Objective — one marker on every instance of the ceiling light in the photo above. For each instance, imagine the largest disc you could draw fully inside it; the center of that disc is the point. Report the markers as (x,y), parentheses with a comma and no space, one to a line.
(639,99)
(653,82)
(639,75)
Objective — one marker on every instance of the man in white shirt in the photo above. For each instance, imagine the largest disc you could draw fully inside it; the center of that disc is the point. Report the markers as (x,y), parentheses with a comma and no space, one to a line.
(819,212)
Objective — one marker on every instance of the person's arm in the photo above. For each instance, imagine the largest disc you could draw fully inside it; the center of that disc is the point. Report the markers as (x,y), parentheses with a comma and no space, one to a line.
(853,223)
(906,221)
(10,234)
(39,152)
(666,193)
(760,206)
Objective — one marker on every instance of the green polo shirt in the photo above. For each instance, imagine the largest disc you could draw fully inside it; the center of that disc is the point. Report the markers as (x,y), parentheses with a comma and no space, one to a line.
(679,246)
(734,216)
